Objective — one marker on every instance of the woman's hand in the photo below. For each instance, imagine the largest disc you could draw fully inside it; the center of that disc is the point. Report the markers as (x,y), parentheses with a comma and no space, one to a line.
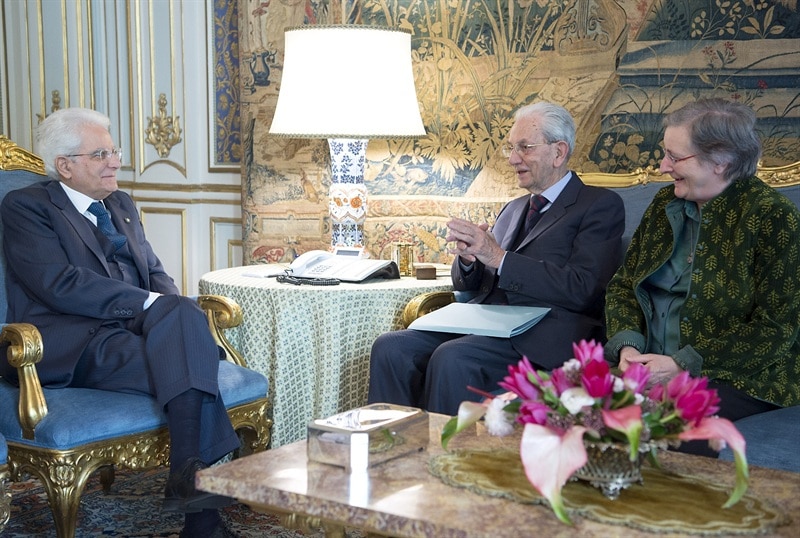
(662,367)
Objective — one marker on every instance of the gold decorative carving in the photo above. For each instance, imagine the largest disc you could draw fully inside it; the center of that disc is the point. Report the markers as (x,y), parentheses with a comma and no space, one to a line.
(24,351)
(64,473)
(223,314)
(55,105)
(777,176)
(5,497)
(163,131)
(425,303)
(13,157)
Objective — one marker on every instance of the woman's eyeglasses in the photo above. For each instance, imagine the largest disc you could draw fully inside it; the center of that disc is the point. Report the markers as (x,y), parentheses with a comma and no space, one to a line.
(675,160)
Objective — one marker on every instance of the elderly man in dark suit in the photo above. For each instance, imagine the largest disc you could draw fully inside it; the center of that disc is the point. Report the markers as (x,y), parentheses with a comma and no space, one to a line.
(556,247)
(80,269)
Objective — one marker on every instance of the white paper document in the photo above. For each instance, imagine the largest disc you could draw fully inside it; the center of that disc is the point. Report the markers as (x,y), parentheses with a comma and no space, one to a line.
(502,321)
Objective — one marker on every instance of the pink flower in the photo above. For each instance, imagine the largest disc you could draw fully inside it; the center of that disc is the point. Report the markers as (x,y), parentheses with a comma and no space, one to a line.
(693,400)
(657,393)
(587,351)
(636,377)
(560,380)
(597,378)
(583,398)
(533,412)
(518,380)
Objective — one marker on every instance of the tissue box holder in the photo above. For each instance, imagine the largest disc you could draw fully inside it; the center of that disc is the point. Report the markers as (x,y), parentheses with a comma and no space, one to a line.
(366,436)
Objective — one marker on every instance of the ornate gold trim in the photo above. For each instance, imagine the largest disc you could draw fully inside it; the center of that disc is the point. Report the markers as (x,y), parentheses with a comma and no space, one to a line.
(163,132)
(64,473)
(24,352)
(13,157)
(5,497)
(775,176)
(424,304)
(223,313)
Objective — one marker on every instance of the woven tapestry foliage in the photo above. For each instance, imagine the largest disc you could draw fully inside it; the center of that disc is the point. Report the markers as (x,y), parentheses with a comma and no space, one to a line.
(618,66)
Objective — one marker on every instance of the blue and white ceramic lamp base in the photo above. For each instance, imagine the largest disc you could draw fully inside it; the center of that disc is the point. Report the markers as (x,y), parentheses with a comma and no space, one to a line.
(348,194)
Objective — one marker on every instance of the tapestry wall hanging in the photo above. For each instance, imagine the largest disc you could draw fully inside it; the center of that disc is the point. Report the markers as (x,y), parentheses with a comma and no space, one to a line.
(617,66)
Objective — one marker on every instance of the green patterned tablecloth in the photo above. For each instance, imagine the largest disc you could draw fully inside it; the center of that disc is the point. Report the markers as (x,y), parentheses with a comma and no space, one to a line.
(312,342)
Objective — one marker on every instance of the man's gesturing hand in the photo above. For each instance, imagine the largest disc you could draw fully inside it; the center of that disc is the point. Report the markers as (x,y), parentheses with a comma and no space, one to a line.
(474,242)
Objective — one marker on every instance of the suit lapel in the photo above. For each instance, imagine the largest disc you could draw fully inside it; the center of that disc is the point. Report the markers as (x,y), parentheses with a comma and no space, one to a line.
(79,222)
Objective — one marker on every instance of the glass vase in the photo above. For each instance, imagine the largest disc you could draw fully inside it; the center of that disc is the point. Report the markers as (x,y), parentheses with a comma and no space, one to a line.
(609,468)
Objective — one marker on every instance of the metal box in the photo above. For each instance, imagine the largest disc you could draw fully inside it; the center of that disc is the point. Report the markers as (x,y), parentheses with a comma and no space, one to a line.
(369,435)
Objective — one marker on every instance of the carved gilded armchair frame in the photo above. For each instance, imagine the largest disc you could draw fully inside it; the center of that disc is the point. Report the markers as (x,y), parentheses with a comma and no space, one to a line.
(64,472)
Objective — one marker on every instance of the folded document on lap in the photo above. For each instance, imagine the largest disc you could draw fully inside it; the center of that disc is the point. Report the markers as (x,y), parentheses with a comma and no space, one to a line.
(502,321)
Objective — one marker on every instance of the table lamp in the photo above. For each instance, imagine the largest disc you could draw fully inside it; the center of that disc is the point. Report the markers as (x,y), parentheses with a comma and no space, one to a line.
(347,84)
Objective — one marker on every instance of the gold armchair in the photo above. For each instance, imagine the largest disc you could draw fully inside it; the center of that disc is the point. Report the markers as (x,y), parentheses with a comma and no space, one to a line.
(62,436)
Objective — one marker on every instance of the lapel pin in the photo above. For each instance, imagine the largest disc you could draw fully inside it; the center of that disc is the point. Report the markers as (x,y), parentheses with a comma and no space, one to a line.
(127,219)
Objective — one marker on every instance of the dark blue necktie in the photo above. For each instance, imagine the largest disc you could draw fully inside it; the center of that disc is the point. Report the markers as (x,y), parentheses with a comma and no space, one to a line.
(106,226)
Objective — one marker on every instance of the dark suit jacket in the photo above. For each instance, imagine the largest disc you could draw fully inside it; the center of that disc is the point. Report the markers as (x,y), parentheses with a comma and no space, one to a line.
(57,276)
(564,263)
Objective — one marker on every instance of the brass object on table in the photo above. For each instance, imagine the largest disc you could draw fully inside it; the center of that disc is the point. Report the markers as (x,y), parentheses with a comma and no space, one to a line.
(403,256)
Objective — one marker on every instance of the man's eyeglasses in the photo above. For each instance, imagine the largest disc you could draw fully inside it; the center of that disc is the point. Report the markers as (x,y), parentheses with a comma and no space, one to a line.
(675,160)
(521,149)
(101,154)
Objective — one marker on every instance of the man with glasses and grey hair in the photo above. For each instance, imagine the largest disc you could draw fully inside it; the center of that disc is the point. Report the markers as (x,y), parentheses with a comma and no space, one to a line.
(555,247)
(80,268)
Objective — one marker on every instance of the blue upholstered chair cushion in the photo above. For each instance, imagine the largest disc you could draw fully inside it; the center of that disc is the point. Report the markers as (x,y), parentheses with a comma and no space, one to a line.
(3,450)
(118,414)
(773,439)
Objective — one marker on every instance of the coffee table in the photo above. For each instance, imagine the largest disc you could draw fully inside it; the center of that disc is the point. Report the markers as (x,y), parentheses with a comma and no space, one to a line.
(401,498)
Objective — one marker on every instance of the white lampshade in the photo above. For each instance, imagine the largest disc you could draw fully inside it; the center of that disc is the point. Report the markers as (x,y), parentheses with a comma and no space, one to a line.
(347,82)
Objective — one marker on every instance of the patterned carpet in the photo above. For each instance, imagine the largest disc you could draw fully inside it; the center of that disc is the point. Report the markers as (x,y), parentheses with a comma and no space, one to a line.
(132,509)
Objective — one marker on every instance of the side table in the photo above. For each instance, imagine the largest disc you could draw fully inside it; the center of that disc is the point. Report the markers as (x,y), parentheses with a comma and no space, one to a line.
(312,342)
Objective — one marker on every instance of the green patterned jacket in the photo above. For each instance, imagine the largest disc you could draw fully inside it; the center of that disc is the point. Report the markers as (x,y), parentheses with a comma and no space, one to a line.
(741,319)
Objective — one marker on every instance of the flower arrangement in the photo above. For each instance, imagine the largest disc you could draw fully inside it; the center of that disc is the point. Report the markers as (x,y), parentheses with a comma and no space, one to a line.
(584,400)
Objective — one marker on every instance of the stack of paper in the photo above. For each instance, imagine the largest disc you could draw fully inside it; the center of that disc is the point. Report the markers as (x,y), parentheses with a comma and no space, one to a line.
(502,321)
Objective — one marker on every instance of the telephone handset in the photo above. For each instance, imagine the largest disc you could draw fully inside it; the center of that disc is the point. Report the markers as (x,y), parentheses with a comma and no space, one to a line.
(306,261)
(345,267)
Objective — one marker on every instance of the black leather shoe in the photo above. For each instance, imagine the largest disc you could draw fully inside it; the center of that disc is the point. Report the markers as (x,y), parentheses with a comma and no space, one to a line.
(180,494)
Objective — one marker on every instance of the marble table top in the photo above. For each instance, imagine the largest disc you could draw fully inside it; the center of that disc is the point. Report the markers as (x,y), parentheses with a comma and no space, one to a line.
(401,498)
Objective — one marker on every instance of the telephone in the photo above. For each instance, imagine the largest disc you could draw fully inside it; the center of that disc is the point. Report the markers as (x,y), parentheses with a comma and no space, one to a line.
(345,267)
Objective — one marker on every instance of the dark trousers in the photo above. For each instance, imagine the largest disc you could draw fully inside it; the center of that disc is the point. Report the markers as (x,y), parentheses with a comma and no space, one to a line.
(163,352)
(432,370)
